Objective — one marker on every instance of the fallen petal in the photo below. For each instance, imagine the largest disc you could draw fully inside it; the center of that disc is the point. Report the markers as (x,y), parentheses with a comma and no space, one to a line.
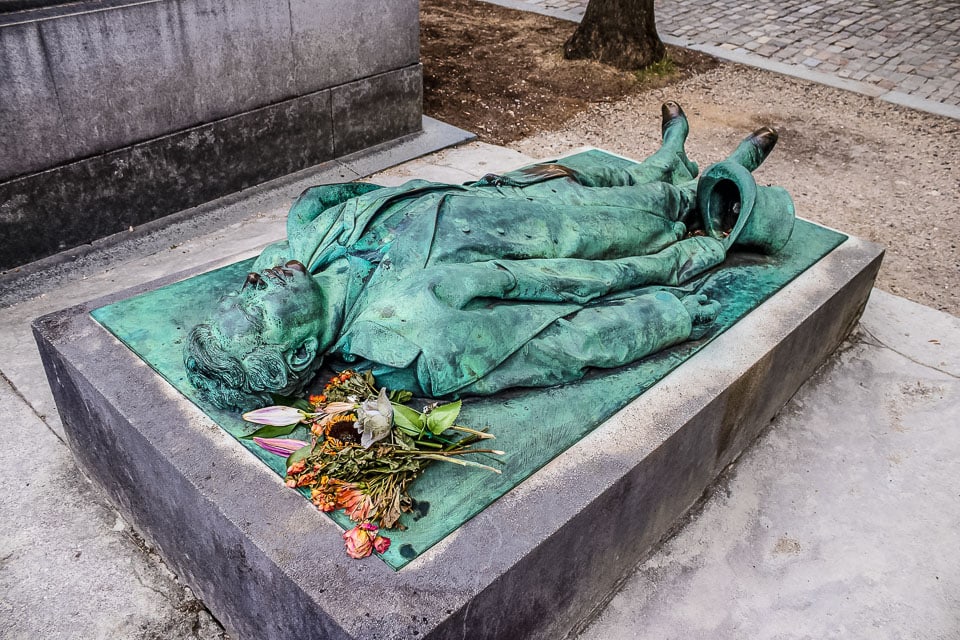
(338,407)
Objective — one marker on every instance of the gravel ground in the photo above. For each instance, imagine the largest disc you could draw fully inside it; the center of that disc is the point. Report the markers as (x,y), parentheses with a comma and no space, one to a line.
(865,167)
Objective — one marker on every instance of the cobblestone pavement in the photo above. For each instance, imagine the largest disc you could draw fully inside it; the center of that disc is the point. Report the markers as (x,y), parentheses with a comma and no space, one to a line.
(907,51)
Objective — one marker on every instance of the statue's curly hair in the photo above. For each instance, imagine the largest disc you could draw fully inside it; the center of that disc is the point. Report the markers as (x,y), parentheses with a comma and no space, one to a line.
(229,382)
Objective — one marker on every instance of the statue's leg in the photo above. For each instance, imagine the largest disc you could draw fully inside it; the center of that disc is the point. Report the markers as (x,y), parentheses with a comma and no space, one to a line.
(754,149)
(602,336)
(670,162)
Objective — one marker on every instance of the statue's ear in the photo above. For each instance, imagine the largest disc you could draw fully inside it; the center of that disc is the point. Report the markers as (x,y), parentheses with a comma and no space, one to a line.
(300,358)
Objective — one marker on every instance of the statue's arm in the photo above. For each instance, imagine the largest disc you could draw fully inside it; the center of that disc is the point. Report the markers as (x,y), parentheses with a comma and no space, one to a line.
(580,281)
(601,336)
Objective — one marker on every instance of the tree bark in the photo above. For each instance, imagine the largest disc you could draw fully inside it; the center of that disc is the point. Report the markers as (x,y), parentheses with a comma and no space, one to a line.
(621,33)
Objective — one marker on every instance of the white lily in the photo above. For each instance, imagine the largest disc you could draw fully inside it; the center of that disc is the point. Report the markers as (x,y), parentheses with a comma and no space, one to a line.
(276,416)
(374,419)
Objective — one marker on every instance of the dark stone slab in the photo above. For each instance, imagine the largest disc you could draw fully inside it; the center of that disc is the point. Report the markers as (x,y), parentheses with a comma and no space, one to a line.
(535,564)
(117,112)
(376,108)
(44,213)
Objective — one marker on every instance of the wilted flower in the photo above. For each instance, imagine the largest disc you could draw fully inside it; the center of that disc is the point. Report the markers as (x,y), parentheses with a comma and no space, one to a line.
(297,467)
(275,416)
(359,540)
(280,446)
(306,479)
(374,419)
(355,503)
(324,497)
(381,544)
(338,407)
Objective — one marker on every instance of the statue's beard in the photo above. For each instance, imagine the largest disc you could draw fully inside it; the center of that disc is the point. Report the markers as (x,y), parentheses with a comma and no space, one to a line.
(246,383)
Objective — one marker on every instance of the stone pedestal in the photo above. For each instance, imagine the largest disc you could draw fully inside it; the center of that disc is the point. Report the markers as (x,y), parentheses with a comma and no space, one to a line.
(534,564)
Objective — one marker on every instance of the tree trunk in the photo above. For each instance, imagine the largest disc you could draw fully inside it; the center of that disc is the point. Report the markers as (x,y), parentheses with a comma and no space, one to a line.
(621,33)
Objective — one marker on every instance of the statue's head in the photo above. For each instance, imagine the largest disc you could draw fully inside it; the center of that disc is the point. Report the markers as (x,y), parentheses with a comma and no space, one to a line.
(261,340)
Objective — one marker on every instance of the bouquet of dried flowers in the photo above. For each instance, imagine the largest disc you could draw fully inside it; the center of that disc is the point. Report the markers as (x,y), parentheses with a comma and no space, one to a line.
(366,448)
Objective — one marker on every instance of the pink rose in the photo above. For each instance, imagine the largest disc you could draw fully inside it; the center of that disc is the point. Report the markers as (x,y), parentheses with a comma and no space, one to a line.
(381,544)
(359,540)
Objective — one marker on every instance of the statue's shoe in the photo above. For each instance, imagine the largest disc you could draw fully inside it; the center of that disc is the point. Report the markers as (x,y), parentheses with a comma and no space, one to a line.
(754,149)
(673,123)
(764,139)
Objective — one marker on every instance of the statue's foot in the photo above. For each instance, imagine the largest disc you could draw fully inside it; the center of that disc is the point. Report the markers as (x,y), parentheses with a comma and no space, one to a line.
(702,309)
(670,111)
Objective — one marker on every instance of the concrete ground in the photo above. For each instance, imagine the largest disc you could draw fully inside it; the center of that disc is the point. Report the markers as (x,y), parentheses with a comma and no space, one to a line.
(841,521)
(904,51)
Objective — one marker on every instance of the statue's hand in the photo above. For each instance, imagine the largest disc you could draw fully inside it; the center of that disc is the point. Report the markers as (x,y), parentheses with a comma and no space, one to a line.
(702,309)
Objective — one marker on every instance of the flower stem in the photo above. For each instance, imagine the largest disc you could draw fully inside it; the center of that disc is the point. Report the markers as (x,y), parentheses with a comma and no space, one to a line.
(480,434)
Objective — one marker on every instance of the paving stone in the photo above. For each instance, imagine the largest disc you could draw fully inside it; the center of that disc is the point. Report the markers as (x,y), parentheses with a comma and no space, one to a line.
(859,37)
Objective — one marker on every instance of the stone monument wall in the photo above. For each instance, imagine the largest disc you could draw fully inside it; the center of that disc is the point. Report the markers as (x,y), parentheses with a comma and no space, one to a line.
(114,113)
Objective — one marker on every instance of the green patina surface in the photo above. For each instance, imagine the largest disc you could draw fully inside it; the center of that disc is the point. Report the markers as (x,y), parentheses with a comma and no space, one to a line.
(532,426)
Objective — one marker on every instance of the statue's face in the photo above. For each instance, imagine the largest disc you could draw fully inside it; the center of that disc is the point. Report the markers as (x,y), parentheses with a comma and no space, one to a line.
(282,307)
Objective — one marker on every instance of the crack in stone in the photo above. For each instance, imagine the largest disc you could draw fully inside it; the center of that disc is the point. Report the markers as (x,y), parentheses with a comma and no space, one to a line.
(880,343)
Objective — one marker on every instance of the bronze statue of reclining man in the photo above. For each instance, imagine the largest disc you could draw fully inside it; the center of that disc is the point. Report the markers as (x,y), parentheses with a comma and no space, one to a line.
(522,280)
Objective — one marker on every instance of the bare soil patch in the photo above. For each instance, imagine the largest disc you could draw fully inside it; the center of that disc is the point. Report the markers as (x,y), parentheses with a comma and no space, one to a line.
(501,74)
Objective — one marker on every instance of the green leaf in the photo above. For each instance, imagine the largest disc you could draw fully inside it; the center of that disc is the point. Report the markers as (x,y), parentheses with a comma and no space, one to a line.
(404,441)
(300,454)
(407,418)
(291,401)
(400,396)
(271,432)
(443,417)
(302,404)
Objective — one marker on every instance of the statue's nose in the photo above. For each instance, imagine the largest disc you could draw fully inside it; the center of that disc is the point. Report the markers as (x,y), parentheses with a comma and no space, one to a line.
(296,265)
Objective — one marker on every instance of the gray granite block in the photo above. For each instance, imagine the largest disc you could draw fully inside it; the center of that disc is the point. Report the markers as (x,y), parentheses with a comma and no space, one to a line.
(377,108)
(352,40)
(33,134)
(535,564)
(19,5)
(89,77)
(140,71)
